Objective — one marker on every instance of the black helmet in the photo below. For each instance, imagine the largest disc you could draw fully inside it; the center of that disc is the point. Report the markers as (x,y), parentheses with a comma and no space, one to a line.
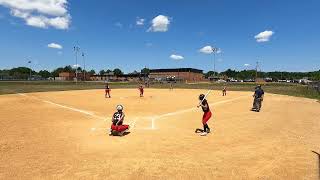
(201,96)
(119,107)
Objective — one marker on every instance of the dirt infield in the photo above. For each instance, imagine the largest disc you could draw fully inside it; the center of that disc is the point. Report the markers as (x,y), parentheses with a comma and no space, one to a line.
(62,135)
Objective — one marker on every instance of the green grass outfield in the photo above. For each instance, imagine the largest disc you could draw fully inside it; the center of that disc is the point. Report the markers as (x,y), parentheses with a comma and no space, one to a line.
(11,87)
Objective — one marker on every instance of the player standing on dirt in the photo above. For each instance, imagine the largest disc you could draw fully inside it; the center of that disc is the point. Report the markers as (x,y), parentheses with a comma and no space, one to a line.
(224,91)
(206,114)
(258,98)
(141,90)
(117,127)
(107,91)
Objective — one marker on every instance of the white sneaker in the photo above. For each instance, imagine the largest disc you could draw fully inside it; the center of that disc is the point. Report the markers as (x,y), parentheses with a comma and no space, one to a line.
(203,134)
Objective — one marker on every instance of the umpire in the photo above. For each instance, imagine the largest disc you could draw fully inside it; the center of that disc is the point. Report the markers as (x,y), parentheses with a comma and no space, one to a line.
(258,98)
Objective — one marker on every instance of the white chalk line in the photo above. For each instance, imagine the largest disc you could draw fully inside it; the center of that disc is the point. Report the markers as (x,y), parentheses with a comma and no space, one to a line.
(132,124)
(190,109)
(63,106)
(153,118)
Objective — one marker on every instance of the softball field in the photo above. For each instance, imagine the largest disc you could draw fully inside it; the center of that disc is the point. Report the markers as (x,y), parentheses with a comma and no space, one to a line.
(63,135)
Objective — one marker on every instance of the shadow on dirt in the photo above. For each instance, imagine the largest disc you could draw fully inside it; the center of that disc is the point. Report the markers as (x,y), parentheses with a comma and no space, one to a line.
(199,130)
(318,155)
(117,134)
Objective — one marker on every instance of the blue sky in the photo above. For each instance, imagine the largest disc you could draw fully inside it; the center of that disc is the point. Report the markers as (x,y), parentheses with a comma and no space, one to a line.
(172,33)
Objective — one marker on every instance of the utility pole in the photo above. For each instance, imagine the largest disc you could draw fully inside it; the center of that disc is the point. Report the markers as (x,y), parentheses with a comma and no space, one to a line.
(76,50)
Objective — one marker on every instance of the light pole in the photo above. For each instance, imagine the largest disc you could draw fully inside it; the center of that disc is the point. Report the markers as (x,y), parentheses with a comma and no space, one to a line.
(76,50)
(214,51)
(257,65)
(84,67)
(29,62)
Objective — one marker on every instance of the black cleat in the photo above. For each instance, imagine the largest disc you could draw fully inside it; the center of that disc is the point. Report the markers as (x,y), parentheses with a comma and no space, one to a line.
(198,130)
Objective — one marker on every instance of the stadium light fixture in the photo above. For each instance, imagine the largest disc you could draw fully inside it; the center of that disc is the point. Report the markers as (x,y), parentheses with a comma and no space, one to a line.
(214,51)
(84,67)
(29,62)
(76,49)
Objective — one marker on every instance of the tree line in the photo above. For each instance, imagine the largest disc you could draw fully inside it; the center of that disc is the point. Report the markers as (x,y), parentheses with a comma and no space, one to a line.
(275,75)
(24,73)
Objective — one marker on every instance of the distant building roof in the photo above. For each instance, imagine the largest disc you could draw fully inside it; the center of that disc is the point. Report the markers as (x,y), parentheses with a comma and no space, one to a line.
(176,70)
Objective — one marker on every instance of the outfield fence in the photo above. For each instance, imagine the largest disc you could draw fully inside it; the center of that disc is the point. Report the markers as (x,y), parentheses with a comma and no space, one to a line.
(315,86)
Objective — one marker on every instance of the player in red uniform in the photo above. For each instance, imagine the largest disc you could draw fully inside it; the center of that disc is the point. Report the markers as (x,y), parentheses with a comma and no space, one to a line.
(107,91)
(141,90)
(117,127)
(206,114)
(224,91)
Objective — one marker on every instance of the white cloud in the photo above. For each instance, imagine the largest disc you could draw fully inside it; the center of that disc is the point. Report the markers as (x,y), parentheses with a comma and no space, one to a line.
(176,57)
(209,50)
(54,46)
(159,24)
(18,13)
(140,21)
(264,36)
(246,65)
(36,21)
(76,65)
(118,24)
(60,22)
(40,13)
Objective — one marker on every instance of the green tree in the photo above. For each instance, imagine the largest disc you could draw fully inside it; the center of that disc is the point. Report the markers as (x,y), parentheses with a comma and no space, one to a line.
(117,72)
(21,72)
(145,71)
(68,69)
(210,74)
(44,74)
(92,72)
(230,73)
(55,73)
(108,71)
(102,72)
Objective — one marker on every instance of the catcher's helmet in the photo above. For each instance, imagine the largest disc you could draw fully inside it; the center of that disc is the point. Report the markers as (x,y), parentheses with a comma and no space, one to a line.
(119,107)
(201,96)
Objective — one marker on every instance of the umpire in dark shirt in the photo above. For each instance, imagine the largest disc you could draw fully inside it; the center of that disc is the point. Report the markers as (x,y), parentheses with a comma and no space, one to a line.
(258,98)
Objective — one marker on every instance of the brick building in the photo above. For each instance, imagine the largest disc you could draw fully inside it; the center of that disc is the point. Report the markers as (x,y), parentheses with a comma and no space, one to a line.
(66,76)
(111,77)
(182,74)
(70,76)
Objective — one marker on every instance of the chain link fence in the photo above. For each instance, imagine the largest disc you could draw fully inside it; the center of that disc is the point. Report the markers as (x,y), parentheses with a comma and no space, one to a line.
(315,86)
